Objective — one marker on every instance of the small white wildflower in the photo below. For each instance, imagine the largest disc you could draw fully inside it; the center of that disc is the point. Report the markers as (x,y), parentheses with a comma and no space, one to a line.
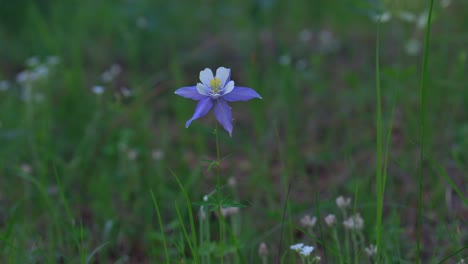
(141,22)
(413,47)
(97,89)
(232,182)
(297,247)
(406,16)
(53,60)
(205,198)
(445,3)
(354,222)
(126,92)
(107,77)
(228,211)
(330,220)
(40,72)
(343,202)
(4,85)
(26,168)
(301,64)
(23,77)
(371,250)
(284,59)
(327,41)
(462,261)
(157,154)
(115,69)
(422,20)
(32,61)
(307,221)
(202,213)
(263,249)
(132,154)
(306,250)
(305,35)
(383,17)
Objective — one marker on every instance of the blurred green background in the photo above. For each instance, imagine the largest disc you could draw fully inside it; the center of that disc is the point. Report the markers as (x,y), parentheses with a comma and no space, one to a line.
(89,122)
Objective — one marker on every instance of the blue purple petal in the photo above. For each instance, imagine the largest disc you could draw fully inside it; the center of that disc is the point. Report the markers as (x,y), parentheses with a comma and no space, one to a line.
(190,92)
(202,109)
(223,113)
(241,94)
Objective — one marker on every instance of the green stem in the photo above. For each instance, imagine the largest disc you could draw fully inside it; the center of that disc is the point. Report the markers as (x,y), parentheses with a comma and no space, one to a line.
(218,190)
(423,126)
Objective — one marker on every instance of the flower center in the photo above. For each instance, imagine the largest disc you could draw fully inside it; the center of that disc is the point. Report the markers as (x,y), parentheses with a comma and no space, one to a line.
(215,83)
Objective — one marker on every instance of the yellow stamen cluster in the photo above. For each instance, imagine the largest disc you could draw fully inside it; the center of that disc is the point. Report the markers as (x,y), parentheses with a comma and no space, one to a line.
(215,83)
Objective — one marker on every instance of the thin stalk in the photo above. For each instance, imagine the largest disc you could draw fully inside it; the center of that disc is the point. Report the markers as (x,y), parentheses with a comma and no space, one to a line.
(423,126)
(379,176)
(218,190)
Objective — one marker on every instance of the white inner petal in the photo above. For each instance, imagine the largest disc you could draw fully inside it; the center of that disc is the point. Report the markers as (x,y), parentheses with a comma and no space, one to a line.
(223,74)
(206,76)
(228,88)
(202,89)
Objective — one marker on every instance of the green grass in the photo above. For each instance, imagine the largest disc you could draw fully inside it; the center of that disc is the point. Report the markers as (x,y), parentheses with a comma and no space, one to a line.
(111,178)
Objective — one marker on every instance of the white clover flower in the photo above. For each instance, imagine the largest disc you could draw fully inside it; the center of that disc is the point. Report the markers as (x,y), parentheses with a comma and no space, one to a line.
(97,89)
(330,220)
(297,247)
(354,222)
(306,250)
(307,221)
(343,202)
(371,250)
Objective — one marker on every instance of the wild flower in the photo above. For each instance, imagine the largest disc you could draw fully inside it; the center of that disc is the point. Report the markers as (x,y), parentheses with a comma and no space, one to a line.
(97,89)
(263,249)
(297,247)
(157,154)
(343,202)
(371,250)
(354,222)
(330,220)
(4,85)
(215,91)
(228,211)
(306,250)
(308,221)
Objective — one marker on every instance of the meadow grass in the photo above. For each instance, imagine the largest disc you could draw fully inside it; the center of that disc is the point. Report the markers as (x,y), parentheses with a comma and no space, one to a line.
(110,174)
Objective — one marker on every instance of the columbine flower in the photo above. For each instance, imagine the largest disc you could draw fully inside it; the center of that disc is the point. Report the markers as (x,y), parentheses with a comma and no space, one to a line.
(216,90)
